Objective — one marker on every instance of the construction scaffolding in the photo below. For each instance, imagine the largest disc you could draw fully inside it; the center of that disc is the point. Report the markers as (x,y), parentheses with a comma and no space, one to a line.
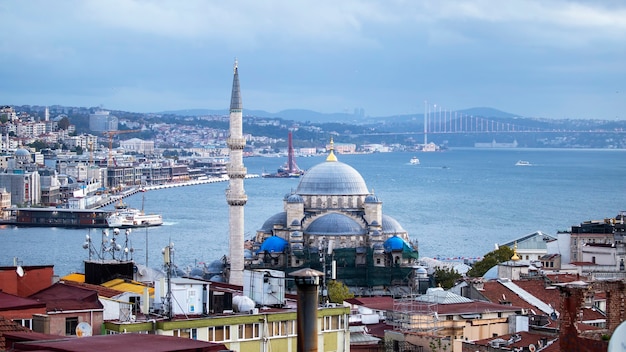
(410,315)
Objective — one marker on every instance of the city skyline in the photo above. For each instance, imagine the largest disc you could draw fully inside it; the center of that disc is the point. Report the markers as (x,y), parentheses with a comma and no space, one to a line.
(562,59)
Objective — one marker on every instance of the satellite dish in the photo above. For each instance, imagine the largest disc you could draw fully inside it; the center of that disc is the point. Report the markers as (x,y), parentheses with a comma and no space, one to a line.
(20,271)
(83,329)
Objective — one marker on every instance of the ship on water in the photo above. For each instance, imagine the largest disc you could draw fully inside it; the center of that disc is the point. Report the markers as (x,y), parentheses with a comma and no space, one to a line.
(290,168)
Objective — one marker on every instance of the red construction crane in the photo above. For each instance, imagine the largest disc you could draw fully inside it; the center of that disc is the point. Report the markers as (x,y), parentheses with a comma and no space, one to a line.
(110,134)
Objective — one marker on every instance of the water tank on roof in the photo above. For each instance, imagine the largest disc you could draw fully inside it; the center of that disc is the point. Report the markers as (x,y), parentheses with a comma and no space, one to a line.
(243,304)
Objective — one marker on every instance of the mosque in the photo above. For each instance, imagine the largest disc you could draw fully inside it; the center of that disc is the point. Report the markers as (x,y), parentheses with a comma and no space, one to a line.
(333,224)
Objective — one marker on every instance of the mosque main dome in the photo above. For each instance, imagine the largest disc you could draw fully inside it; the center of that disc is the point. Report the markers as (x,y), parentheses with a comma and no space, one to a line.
(332,178)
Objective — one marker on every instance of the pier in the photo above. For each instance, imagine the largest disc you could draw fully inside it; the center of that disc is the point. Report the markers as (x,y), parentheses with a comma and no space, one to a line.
(111,199)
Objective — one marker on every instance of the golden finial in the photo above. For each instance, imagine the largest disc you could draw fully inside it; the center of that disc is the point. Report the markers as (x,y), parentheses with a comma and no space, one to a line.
(515,257)
(331,155)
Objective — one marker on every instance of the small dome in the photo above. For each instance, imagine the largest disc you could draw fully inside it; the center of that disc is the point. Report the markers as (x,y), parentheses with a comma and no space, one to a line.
(274,244)
(295,222)
(22,152)
(371,199)
(334,224)
(276,219)
(332,178)
(394,243)
(295,198)
(391,225)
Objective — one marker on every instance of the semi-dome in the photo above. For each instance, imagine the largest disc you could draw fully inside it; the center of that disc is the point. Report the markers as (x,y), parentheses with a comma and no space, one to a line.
(334,224)
(332,178)
(273,244)
(276,219)
(391,225)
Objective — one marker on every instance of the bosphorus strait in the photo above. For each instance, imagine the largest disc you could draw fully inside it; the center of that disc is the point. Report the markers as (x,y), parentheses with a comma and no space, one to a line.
(456,203)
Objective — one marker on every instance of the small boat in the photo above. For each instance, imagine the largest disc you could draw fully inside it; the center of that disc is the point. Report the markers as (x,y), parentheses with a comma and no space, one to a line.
(415,161)
(522,163)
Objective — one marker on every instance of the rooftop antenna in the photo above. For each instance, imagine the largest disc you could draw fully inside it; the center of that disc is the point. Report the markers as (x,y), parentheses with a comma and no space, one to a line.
(168,253)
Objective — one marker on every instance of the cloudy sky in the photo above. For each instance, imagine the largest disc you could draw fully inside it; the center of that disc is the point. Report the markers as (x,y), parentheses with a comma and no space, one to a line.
(555,59)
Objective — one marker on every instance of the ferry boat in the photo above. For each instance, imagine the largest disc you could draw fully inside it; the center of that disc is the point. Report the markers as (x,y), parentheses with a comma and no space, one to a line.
(414,161)
(125,216)
(522,163)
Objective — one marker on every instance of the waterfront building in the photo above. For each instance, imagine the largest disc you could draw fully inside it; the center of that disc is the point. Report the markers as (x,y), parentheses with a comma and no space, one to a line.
(334,224)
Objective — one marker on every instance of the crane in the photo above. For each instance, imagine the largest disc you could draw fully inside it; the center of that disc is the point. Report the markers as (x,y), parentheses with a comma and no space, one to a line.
(110,134)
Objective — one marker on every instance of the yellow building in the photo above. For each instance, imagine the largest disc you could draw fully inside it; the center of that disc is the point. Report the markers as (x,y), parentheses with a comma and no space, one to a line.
(270,330)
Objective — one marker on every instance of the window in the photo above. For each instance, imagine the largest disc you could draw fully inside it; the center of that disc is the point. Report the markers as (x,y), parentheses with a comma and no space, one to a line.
(333,323)
(219,333)
(283,328)
(70,325)
(25,322)
(186,333)
(249,331)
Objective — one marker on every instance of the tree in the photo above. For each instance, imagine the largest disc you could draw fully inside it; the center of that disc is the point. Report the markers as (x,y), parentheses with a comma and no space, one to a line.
(491,259)
(338,292)
(446,277)
(64,123)
(38,145)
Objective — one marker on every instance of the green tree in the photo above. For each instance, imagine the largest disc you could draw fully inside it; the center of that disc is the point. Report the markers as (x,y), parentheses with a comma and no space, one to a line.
(491,259)
(338,291)
(446,277)
(64,123)
(38,145)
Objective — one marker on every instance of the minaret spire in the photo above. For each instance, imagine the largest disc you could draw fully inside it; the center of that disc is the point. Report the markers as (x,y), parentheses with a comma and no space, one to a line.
(235,194)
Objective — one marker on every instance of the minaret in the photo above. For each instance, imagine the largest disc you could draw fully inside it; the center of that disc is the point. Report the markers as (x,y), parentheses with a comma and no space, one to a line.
(235,194)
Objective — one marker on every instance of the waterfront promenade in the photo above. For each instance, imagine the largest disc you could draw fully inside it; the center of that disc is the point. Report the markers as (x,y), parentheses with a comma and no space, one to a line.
(111,199)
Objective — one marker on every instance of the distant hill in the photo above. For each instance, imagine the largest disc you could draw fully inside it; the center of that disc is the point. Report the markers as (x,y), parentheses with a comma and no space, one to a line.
(302,115)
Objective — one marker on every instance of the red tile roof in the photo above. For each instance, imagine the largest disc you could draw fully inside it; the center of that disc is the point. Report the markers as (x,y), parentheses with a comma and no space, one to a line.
(122,342)
(61,297)
(12,302)
(102,291)
(377,303)
(8,326)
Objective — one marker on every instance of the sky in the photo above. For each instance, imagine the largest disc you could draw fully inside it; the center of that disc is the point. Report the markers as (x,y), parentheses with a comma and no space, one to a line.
(546,59)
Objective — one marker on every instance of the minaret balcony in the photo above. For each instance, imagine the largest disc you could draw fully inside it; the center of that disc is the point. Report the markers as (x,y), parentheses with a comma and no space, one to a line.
(236,199)
(236,143)
(236,171)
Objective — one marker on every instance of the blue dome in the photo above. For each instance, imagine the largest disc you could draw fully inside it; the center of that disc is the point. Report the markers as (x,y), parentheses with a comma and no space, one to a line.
(274,244)
(334,224)
(391,225)
(332,178)
(276,219)
(371,199)
(294,198)
(22,153)
(394,243)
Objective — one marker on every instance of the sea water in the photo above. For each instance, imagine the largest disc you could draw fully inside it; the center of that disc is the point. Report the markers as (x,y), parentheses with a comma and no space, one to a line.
(457,204)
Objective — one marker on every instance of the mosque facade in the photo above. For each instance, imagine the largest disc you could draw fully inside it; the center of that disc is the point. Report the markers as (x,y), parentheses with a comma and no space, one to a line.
(334,224)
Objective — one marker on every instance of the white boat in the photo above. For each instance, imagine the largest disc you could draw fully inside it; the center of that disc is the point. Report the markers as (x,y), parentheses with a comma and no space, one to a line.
(415,161)
(522,163)
(124,216)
